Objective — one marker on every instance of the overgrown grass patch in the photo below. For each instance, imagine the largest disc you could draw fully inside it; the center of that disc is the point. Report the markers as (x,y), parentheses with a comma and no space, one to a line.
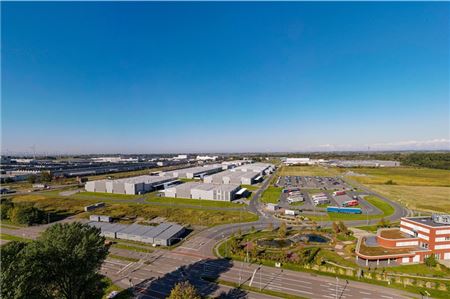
(194,202)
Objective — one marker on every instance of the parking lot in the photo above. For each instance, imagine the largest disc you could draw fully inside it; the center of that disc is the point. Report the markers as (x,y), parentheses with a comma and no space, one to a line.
(303,188)
(313,182)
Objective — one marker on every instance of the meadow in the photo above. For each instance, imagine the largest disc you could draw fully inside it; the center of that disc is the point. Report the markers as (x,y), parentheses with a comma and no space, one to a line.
(66,206)
(306,170)
(408,176)
(420,189)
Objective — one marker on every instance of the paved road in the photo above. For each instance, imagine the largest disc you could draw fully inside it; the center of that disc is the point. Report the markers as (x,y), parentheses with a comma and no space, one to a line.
(156,277)
(156,273)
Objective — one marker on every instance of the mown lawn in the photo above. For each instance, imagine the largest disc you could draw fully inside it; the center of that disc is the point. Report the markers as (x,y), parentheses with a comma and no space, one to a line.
(271,194)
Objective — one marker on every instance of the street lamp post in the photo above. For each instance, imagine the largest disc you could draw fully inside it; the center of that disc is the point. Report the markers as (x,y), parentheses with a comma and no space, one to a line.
(337,282)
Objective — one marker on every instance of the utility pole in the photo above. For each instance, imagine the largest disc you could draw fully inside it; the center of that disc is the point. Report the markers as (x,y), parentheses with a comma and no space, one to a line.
(260,280)
(367,215)
(337,282)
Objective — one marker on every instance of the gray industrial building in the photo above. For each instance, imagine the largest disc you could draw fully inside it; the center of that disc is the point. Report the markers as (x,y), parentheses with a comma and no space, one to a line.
(233,177)
(363,163)
(135,185)
(234,163)
(203,191)
(164,234)
(193,172)
(262,168)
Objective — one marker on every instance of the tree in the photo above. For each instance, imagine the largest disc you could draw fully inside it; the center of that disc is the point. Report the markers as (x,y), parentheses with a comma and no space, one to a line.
(342,227)
(8,180)
(430,261)
(26,214)
(384,223)
(336,228)
(63,263)
(46,176)
(184,290)
(282,230)
(32,178)
(5,206)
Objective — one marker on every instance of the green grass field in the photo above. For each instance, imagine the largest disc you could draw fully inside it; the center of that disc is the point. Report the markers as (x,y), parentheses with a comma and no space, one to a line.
(306,171)
(190,216)
(407,176)
(429,199)
(250,187)
(101,195)
(8,237)
(131,248)
(417,188)
(122,258)
(194,202)
(271,194)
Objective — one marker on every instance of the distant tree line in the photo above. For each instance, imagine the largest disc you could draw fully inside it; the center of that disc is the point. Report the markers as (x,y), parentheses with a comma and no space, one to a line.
(44,177)
(21,213)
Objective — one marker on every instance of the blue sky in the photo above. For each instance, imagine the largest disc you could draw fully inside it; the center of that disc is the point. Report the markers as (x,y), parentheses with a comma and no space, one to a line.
(183,77)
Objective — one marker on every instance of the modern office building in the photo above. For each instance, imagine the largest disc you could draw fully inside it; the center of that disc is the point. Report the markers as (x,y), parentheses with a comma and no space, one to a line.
(193,172)
(417,239)
(233,177)
(203,191)
(164,234)
(134,185)
(262,168)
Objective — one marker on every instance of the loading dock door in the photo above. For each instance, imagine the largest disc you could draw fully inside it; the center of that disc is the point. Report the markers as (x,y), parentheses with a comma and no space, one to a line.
(405,260)
(447,256)
(416,259)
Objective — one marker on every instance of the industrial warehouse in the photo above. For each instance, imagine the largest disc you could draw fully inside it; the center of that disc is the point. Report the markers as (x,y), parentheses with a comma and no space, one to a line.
(193,172)
(164,234)
(261,168)
(205,191)
(233,177)
(135,185)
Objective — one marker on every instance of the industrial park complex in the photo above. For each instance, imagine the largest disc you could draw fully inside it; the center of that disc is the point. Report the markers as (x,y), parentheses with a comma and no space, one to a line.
(217,184)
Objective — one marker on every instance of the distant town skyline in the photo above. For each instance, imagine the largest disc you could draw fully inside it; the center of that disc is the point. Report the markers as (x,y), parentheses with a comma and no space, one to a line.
(134,77)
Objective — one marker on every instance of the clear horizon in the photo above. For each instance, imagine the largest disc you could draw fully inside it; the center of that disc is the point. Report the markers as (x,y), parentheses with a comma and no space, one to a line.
(87,77)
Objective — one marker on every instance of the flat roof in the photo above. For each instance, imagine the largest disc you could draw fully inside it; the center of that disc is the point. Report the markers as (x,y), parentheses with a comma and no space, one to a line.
(205,186)
(154,231)
(148,179)
(139,230)
(426,220)
(170,232)
(196,169)
(253,167)
(234,174)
